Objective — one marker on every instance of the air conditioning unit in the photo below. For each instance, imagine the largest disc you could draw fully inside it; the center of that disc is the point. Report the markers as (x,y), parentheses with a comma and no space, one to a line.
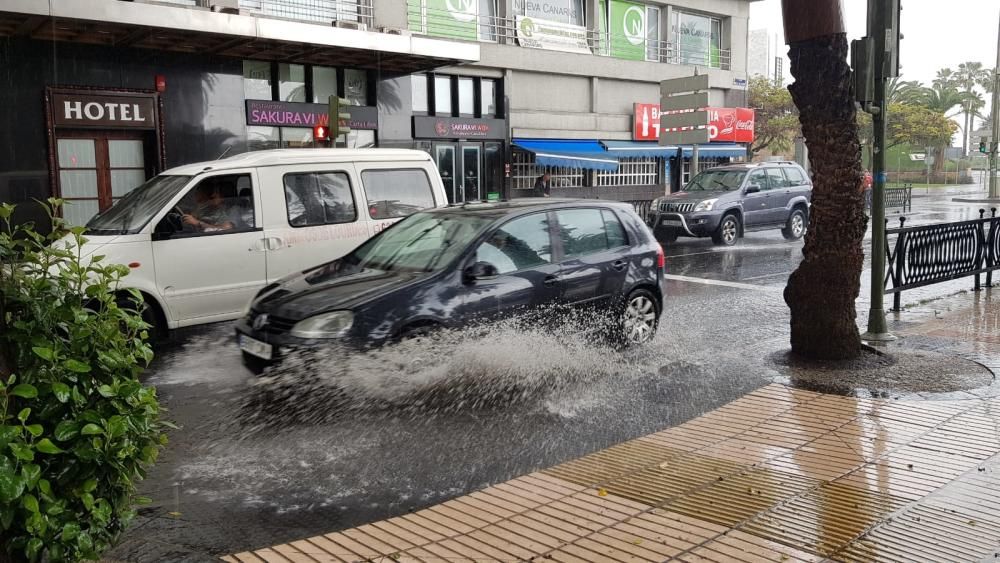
(347,24)
(397,31)
(225,6)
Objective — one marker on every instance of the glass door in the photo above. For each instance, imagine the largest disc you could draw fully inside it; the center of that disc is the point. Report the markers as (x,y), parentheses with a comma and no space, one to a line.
(472,172)
(493,170)
(444,156)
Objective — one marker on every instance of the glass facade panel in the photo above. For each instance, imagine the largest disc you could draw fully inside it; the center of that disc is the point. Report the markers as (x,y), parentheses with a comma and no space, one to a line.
(418,86)
(324,84)
(292,82)
(78,183)
(78,212)
(257,80)
(442,95)
(123,181)
(356,87)
(466,96)
(488,95)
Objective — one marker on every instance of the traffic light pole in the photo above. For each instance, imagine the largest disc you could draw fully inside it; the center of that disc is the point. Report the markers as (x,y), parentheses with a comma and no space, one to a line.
(877,329)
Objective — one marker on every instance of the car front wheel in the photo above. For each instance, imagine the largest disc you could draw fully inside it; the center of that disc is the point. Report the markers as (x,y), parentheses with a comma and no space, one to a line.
(640,318)
(728,232)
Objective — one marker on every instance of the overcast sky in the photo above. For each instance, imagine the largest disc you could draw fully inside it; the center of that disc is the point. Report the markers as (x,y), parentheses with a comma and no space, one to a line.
(936,34)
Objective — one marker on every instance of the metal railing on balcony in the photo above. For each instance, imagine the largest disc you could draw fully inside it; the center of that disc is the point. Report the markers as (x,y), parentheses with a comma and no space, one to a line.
(360,12)
(473,26)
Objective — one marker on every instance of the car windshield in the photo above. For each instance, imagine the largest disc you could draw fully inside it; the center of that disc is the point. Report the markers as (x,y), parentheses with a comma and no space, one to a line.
(131,213)
(423,242)
(716,180)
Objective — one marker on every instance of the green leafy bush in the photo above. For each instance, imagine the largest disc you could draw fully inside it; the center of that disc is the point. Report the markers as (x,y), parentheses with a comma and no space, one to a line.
(77,428)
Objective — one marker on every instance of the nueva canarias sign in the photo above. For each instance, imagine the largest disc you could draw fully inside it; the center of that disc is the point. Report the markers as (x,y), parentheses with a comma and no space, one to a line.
(628,30)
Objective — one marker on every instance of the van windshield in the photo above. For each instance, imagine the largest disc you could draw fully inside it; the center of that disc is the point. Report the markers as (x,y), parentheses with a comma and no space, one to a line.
(131,213)
(423,242)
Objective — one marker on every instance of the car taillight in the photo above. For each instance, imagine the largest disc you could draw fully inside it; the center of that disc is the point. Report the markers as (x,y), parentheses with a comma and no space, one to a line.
(661,259)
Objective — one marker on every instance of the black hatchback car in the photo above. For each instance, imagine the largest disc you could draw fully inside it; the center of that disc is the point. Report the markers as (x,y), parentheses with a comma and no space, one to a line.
(452,266)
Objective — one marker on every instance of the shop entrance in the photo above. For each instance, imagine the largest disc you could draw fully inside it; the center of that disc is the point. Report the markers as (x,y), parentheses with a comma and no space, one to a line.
(470,171)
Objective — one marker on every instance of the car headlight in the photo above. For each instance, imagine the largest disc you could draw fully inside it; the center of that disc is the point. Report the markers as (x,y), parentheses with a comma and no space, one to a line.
(705,205)
(328,325)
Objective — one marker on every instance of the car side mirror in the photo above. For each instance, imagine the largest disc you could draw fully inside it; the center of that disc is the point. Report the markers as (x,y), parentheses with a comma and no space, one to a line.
(753,188)
(481,271)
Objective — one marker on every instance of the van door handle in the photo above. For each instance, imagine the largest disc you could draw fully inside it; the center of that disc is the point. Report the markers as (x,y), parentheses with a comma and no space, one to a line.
(274,243)
(550,280)
(259,245)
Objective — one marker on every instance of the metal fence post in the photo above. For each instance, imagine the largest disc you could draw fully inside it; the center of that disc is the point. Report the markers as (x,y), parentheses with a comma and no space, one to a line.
(898,255)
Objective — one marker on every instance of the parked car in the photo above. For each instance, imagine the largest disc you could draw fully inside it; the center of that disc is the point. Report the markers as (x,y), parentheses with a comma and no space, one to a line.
(462,264)
(726,201)
(202,239)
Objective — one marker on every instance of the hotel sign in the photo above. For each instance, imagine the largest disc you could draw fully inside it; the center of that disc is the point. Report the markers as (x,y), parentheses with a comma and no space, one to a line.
(108,110)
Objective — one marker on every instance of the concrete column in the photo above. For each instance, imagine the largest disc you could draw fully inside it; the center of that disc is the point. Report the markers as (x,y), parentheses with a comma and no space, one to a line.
(595,87)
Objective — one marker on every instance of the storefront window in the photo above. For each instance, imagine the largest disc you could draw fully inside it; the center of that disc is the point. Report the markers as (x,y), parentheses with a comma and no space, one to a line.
(442,95)
(292,82)
(263,138)
(356,87)
(418,84)
(653,34)
(466,96)
(257,80)
(489,97)
(697,39)
(563,11)
(324,84)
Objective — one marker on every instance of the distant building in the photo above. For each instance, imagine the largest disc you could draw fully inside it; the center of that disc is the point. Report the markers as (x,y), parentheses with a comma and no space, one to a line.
(759,53)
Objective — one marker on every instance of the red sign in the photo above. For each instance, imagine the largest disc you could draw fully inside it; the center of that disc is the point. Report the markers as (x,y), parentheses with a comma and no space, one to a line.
(729,125)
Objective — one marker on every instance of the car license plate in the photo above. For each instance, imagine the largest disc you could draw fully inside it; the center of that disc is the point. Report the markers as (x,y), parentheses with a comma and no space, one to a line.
(672,223)
(255,347)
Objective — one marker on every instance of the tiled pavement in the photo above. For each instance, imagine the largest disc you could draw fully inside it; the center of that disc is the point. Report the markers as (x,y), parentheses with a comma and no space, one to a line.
(779,475)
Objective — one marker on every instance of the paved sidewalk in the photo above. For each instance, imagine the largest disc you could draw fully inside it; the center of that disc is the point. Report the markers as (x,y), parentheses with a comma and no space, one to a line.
(779,475)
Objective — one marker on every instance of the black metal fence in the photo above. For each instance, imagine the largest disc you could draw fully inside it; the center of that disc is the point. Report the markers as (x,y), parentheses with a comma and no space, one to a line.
(642,207)
(894,197)
(931,254)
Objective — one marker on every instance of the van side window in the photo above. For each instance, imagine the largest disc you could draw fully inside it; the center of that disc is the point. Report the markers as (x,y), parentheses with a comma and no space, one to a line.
(396,193)
(216,205)
(319,198)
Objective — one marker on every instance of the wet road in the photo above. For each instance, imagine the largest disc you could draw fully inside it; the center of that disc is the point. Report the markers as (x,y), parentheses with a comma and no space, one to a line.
(526,399)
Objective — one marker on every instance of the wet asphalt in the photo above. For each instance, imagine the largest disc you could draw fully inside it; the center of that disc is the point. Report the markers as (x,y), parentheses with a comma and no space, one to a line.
(232,480)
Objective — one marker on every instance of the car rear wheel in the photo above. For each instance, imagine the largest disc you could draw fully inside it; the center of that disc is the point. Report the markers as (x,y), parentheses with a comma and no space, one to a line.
(795,227)
(640,318)
(728,232)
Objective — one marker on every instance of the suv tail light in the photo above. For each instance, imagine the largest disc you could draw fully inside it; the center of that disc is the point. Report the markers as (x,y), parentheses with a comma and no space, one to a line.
(661,259)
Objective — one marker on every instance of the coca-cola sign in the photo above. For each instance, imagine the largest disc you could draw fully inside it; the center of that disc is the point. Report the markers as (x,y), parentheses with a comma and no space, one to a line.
(729,125)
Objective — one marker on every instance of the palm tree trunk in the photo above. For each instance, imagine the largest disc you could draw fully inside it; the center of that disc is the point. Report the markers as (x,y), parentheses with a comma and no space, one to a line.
(821,293)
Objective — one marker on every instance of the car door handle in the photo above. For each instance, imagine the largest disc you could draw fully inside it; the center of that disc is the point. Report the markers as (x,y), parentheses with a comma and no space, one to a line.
(619,265)
(550,280)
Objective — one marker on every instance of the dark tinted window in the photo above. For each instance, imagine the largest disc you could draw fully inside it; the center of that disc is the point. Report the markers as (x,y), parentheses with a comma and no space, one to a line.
(517,245)
(396,193)
(616,233)
(776,179)
(319,198)
(588,231)
(794,176)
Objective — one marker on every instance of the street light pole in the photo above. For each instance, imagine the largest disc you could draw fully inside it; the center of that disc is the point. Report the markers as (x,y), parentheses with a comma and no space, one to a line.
(994,191)
(879,25)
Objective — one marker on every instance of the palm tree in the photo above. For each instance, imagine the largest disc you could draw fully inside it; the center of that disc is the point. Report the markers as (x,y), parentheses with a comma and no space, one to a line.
(822,291)
(902,91)
(969,76)
(942,97)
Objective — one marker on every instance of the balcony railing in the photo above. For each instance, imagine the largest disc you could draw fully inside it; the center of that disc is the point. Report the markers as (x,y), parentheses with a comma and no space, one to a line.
(479,27)
(322,11)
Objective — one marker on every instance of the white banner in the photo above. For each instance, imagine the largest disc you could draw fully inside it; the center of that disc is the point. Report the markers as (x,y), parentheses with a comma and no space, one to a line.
(555,36)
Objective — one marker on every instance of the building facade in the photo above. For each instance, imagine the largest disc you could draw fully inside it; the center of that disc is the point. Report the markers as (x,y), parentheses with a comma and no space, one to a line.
(104,94)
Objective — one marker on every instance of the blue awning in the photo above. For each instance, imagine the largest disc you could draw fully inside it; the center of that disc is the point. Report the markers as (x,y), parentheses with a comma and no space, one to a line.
(651,149)
(569,154)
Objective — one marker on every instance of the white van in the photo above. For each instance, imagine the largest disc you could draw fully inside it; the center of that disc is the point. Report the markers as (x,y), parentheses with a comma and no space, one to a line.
(202,239)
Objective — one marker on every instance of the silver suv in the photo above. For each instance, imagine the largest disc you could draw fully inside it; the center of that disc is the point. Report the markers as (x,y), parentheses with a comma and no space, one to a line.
(726,201)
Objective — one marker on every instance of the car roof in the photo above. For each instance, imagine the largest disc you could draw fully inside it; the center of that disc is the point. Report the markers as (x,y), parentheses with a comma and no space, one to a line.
(524,205)
(753,165)
(275,157)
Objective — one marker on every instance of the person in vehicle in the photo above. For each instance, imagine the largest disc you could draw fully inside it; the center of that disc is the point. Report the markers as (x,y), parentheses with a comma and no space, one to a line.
(211,212)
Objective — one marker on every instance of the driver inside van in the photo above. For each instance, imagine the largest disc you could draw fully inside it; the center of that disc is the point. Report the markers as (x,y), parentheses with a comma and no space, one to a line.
(211,212)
